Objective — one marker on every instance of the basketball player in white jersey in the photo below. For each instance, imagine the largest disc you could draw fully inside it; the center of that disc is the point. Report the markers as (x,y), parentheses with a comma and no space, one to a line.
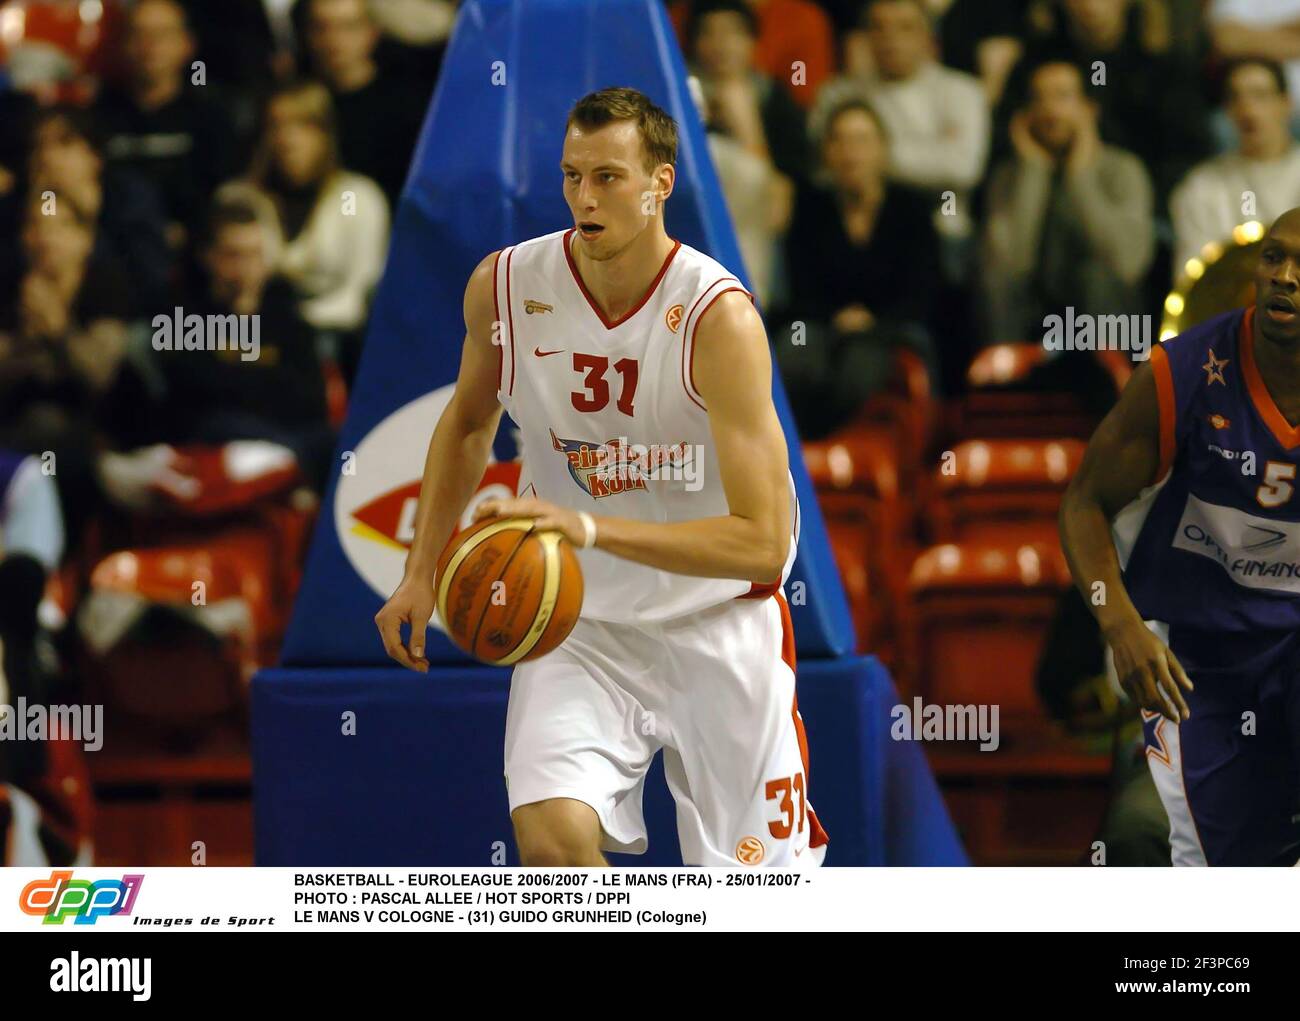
(639,374)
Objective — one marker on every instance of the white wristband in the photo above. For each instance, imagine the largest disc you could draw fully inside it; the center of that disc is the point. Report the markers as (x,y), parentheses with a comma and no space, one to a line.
(589,529)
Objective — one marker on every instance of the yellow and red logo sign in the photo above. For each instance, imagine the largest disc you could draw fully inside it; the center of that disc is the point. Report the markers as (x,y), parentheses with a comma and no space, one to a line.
(379,490)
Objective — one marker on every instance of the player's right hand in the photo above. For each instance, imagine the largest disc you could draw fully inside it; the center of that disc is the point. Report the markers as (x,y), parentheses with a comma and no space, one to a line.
(1148,670)
(412,604)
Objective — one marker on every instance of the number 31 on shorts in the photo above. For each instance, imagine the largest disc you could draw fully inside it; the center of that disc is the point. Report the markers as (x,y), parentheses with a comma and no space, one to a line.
(784,789)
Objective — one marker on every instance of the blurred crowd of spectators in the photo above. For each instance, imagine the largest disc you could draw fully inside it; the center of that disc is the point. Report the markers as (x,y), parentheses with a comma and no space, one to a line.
(176,158)
(944,174)
(240,158)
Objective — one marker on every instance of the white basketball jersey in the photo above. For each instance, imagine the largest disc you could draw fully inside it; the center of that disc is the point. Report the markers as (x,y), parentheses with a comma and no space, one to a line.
(610,419)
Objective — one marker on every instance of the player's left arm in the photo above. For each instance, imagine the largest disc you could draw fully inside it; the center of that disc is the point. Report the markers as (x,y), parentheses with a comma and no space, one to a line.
(732,370)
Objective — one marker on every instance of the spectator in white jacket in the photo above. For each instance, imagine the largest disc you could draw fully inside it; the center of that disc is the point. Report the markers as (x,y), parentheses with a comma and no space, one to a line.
(1259,180)
(331,225)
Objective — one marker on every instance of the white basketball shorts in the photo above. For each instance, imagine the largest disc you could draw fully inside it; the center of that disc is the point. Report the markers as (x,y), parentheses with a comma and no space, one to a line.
(715,690)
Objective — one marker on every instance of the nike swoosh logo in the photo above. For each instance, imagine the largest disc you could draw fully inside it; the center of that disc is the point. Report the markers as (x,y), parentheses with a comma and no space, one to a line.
(542,354)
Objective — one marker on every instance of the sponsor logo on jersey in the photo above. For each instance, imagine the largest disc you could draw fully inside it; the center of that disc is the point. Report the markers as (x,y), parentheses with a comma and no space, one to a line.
(1257,553)
(538,307)
(542,354)
(1217,421)
(673,317)
(617,466)
(1270,537)
(749,851)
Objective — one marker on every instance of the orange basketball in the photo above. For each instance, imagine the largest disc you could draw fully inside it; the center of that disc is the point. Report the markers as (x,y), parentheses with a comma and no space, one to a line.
(507,592)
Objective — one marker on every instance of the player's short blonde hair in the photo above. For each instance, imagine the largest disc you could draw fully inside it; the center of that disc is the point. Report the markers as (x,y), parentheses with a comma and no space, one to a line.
(658,130)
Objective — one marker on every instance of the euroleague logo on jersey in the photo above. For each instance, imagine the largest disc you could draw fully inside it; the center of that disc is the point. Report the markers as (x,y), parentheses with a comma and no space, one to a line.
(617,466)
(673,317)
(379,491)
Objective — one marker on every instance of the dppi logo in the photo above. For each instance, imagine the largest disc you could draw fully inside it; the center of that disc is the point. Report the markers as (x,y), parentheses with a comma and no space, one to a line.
(61,896)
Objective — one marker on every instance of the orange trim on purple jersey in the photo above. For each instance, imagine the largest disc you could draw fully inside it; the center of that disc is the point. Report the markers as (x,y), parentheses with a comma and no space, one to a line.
(1283,431)
(1168,410)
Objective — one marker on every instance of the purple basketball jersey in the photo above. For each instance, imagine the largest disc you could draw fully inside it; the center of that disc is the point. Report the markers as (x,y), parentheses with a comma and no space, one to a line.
(1215,543)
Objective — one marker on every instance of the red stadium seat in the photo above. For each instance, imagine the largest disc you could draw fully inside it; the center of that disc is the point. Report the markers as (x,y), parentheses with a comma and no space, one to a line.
(905,411)
(859,488)
(152,803)
(174,664)
(909,406)
(1004,363)
(982,610)
(1000,413)
(235,566)
(190,666)
(989,483)
(901,418)
(869,478)
(231,476)
(857,459)
(58,50)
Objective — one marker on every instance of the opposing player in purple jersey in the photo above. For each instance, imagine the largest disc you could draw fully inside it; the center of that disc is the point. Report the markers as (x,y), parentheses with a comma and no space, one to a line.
(1182,529)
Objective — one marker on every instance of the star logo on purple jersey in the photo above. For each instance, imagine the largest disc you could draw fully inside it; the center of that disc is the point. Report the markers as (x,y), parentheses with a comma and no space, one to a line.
(1214,369)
